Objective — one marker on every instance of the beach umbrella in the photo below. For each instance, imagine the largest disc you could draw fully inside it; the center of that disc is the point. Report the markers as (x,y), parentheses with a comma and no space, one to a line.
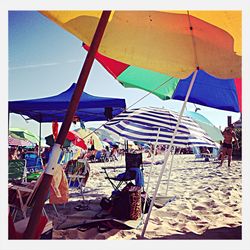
(24,134)
(76,139)
(105,134)
(19,142)
(205,124)
(86,134)
(142,125)
(72,137)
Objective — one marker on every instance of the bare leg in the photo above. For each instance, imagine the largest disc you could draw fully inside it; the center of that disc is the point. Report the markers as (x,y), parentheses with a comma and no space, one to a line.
(229,151)
(224,151)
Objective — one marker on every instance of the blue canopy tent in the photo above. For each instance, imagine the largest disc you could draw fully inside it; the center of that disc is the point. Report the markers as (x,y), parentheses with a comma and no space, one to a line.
(53,108)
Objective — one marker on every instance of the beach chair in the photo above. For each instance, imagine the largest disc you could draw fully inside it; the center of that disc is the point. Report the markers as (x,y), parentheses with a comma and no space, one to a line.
(17,171)
(22,196)
(133,172)
(76,173)
(34,166)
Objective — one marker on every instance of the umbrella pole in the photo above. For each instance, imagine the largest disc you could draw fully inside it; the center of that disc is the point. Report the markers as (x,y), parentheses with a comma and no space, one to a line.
(170,170)
(168,152)
(48,175)
(150,172)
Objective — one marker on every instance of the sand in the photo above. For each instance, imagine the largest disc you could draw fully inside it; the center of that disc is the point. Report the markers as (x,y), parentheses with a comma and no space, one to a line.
(207,203)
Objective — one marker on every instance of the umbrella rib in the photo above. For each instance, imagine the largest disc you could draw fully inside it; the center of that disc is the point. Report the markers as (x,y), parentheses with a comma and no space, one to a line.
(193,40)
(150,92)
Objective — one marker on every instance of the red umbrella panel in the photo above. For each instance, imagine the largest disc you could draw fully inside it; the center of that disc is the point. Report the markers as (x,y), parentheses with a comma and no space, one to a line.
(76,139)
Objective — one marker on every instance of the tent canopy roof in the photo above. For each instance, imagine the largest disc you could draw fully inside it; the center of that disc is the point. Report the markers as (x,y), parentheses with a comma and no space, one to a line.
(53,108)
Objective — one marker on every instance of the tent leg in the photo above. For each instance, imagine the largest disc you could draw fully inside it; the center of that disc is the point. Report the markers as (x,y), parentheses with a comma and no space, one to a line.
(48,175)
(168,152)
(40,138)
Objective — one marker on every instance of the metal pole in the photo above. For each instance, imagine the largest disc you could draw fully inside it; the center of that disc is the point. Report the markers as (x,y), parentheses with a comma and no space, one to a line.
(40,138)
(170,170)
(48,175)
(151,168)
(168,152)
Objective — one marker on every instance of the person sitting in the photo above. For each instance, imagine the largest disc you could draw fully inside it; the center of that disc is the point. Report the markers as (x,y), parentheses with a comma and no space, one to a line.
(205,151)
(114,153)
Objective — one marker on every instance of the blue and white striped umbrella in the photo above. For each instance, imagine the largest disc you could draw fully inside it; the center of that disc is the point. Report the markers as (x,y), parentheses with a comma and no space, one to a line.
(143,124)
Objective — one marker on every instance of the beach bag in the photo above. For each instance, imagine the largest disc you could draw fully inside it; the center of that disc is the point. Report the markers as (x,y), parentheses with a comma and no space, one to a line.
(127,204)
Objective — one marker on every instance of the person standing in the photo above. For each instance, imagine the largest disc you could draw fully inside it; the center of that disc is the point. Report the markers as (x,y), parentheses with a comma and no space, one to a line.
(227,146)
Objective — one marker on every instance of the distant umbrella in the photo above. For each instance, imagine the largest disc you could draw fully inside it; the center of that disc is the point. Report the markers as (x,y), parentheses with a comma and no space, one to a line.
(76,139)
(72,137)
(19,142)
(205,124)
(143,125)
(23,134)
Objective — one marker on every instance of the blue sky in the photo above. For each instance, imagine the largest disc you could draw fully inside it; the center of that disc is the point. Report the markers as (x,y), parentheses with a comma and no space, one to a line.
(45,60)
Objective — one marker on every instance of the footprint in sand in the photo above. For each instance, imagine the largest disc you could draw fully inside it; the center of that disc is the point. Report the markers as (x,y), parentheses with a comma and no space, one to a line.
(157,221)
(199,207)
(193,217)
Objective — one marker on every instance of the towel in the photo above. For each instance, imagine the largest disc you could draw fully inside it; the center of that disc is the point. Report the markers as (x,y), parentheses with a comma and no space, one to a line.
(59,188)
(129,175)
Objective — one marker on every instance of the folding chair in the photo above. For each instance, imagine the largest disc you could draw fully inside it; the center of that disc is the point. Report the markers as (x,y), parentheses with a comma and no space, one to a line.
(133,171)
(34,166)
(17,171)
(77,173)
(22,197)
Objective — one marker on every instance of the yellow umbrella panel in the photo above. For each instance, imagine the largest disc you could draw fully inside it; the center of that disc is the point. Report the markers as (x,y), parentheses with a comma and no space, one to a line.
(165,42)
(86,134)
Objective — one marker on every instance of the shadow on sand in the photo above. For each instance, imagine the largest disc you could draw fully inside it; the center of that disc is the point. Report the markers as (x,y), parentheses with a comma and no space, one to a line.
(223,233)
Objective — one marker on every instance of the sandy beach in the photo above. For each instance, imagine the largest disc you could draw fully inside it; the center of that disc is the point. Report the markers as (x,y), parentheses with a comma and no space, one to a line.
(206,203)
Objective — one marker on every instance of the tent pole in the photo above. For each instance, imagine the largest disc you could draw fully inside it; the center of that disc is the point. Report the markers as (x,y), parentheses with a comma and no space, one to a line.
(40,137)
(168,152)
(44,186)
